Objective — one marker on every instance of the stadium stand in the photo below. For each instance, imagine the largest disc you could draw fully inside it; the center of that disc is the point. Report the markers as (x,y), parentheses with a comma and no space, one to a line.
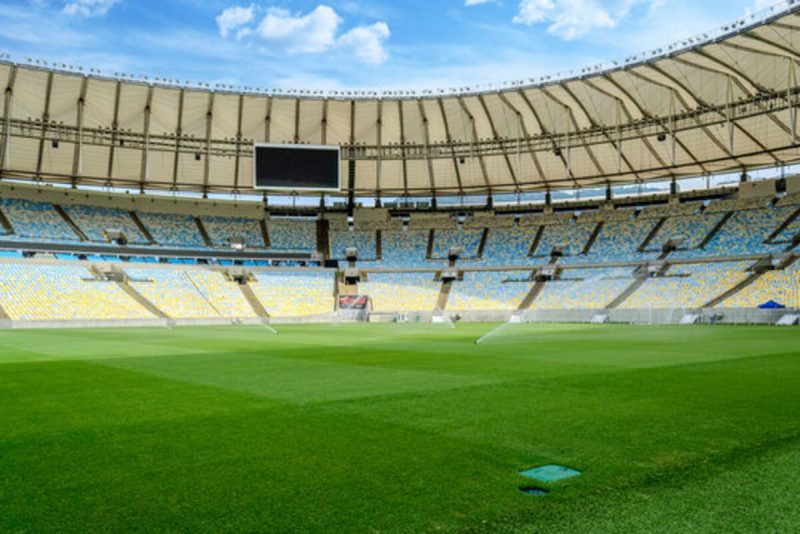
(747,231)
(95,221)
(490,290)
(688,286)
(222,229)
(295,293)
(222,294)
(36,221)
(570,237)
(405,249)
(292,235)
(621,240)
(466,239)
(508,246)
(172,291)
(780,286)
(33,292)
(584,289)
(172,230)
(363,240)
(401,292)
(690,230)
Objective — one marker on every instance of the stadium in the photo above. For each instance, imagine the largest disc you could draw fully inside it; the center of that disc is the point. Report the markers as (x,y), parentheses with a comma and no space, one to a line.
(557,304)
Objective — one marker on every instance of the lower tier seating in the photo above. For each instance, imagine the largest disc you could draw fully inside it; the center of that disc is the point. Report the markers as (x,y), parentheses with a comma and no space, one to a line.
(172,291)
(401,292)
(34,292)
(490,290)
(782,287)
(295,293)
(584,289)
(688,286)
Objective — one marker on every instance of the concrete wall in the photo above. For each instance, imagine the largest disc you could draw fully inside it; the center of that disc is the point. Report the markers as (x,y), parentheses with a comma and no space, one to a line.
(641,317)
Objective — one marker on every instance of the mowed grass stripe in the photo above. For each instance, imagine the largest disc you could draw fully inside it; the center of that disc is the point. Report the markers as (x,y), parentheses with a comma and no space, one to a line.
(292,379)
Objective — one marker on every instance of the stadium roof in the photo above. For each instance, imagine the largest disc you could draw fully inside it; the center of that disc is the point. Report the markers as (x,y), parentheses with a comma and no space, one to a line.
(719,103)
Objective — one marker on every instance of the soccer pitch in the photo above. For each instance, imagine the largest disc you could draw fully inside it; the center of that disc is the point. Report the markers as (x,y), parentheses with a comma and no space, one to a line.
(400,428)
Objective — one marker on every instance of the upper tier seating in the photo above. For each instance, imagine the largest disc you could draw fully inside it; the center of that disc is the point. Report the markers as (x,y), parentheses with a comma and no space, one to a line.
(172,230)
(466,239)
(406,249)
(295,293)
(363,241)
(571,238)
(95,221)
(401,292)
(620,241)
(688,286)
(173,292)
(489,290)
(34,292)
(508,246)
(36,221)
(292,235)
(745,233)
(788,234)
(221,229)
(691,229)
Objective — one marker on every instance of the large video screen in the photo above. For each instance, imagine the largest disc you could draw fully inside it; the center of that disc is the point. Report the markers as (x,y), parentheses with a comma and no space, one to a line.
(296,167)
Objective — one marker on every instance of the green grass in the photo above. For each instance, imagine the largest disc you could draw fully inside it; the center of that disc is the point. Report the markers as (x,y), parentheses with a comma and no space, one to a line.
(399,428)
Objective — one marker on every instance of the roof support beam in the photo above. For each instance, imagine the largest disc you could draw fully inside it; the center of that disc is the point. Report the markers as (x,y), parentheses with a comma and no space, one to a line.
(669,129)
(178,134)
(474,135)
(624,108)
(379,140)
(523,129)
(7,100)
(115,132)
(792,100)
(404,163)
(323,127)
(727,70)
(547,133)
(45,124)
(351,161)
(574,123)
(77,157)
(146,130)
(617,143)
(239,136)
(772,44)
(268,121)
(209,131)
(485,108)
(427,139)
(739,79)
(296,137)
(677,85)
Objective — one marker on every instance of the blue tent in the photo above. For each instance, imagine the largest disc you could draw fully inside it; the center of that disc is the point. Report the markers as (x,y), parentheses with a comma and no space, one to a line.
(772,305)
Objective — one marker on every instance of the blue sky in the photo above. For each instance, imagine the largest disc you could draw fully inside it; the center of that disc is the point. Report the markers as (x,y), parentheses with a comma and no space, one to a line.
(356,44)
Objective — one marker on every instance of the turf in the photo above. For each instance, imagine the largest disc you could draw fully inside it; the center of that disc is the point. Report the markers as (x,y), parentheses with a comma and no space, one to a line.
(400,428)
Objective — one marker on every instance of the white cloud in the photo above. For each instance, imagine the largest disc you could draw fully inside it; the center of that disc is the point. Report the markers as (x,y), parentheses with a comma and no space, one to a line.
(571,19)
(88,8)
(234,18)
(366,42)
(313,33)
